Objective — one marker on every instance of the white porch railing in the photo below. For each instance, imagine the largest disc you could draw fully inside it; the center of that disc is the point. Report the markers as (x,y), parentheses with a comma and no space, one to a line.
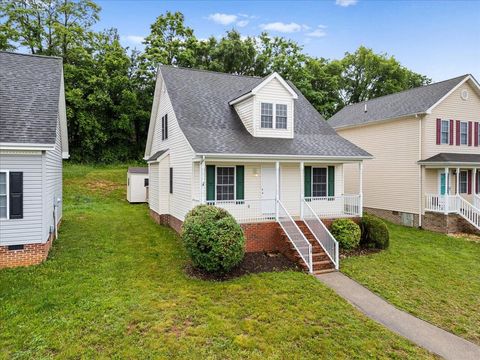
(295,235)
(321,234)
(468,211)
(247,211)
(476,201)
(453,204)
(335,206)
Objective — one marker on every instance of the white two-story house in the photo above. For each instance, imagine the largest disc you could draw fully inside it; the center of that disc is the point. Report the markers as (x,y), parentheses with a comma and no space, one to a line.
(256,147)
(426,147)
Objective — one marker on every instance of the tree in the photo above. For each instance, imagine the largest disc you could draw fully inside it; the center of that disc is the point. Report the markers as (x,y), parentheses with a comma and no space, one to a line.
(366,75)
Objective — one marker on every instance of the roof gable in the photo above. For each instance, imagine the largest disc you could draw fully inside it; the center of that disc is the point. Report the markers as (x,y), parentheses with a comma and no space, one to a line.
(200,100)
(420,100)
(30,89)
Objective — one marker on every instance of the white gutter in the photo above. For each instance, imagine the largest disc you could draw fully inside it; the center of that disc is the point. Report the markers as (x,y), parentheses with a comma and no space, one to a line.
(26,146)
(279,156)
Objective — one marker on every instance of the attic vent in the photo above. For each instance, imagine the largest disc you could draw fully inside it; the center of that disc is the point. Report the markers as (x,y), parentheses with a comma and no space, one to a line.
(464,94)
(365,109)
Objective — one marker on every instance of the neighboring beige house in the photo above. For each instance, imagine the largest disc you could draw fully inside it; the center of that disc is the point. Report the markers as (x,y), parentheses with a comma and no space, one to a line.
(425,144)
(256,147)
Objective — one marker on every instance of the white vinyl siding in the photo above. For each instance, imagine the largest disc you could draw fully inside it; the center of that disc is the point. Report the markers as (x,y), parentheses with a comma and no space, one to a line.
(244,110)
(29,229)
(179,158)
(153,185)
(53,185)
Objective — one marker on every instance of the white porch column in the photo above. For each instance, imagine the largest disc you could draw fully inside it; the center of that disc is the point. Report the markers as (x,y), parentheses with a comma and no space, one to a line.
(360,187)
(447,190)
(302,187)
(457,185)
(203,193)
(277,192)
(475,180)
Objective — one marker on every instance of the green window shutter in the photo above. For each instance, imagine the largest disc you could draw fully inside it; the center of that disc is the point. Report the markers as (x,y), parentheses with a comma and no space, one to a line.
(210,182)
(240,182)
(331,181)
(308,181)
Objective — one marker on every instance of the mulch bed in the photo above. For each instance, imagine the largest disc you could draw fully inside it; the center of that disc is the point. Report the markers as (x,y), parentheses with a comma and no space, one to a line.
(253,263)
(357,252)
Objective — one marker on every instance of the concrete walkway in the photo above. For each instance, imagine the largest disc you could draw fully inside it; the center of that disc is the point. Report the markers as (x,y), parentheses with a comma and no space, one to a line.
(420,332)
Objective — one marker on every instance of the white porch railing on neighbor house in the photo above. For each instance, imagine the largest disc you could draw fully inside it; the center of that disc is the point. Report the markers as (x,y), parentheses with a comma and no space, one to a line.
(295,235)
(321,234)
(246,211)
(453,204)
(468,211)
(335,206)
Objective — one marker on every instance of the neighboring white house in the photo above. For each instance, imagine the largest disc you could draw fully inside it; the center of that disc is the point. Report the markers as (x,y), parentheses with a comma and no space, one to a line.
(33,142)
(256,147)
(425,143)
(137,184)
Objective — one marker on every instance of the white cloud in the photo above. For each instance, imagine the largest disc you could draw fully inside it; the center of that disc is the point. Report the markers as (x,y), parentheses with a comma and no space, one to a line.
(242,23)
(345,3)
(282,27)
(132,40)
(318,32)
(223,19)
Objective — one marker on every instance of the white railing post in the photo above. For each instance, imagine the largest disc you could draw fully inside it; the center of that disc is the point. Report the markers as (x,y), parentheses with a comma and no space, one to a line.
(360,185)
(203,195)
(302,187)
(447,192)
(277,193)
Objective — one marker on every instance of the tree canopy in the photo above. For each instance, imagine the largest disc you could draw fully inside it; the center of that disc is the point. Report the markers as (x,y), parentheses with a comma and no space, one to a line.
(109,88)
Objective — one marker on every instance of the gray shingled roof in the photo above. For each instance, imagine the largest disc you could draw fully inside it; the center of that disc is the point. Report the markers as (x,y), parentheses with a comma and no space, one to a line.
(200,101)
(408,102)
(157,155)
(29,98)
(138,170)
(452,158)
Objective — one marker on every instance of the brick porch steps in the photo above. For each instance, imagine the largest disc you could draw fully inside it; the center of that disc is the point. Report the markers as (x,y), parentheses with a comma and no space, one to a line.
(321,261)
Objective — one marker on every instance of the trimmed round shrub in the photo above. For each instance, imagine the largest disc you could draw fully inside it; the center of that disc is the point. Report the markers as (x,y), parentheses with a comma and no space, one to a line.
(375,233)
(346,232)
(213,239)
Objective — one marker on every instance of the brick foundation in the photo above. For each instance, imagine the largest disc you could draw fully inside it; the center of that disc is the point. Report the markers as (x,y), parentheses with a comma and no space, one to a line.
(31,254)
(396,217)
(265,236)
(448,224)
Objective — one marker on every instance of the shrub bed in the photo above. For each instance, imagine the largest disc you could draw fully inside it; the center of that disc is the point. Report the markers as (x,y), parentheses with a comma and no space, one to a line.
(347,233)
(375,233)
(213,239)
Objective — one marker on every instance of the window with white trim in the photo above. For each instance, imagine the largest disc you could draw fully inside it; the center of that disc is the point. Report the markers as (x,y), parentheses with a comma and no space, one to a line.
(3,195)
(464,133)
(225,183)
(319,182)
(281,116)
(266,115)
(463,187)
(445,132)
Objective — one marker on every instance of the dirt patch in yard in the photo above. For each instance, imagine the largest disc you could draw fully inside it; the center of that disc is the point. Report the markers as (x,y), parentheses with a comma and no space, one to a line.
(469,237)
(357,252)
(253,263)
(103,186)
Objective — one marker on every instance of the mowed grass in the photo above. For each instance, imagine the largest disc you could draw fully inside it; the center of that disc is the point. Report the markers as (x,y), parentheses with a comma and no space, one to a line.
(114,287)
(433,276)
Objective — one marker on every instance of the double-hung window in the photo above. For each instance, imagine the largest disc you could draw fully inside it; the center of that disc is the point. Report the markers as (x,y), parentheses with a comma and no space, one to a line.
(225,183)
(3,195)
(464,133)
(266,115)
(281,116)
(165,127)
(319,182)
(463,182)
(445,132)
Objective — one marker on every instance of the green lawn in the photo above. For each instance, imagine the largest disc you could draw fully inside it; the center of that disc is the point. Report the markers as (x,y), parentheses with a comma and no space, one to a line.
(114,286)
(430,275)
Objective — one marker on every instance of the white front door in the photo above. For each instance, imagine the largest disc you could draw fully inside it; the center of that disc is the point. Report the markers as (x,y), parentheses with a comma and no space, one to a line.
(269,185)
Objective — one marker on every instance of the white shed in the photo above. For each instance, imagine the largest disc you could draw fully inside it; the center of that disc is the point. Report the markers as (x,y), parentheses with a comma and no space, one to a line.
(137,184)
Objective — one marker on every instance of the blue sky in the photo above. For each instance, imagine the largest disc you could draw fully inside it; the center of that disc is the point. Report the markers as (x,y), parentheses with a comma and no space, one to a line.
(440,39)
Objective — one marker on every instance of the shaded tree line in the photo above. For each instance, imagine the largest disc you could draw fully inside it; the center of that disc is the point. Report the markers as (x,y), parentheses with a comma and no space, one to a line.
(109,88)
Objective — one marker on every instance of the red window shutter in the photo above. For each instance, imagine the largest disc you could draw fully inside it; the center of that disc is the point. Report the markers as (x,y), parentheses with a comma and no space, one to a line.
(469,181)
(451,132)
(439,126)
(475,139)
(457,130)
(470,133)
